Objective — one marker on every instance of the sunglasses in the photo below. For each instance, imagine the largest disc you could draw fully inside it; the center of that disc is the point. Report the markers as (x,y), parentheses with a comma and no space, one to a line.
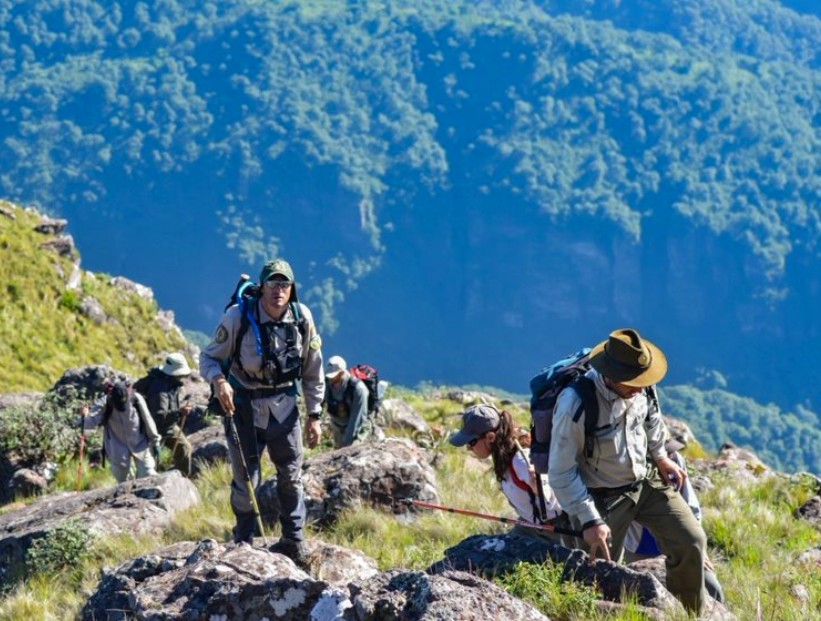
(473,442)
(278,284)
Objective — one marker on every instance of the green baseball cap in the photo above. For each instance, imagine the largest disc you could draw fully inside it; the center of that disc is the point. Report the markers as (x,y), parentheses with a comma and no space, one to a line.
(277,266)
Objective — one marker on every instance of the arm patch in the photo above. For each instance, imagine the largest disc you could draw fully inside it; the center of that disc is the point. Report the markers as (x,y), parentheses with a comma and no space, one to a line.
(316,342)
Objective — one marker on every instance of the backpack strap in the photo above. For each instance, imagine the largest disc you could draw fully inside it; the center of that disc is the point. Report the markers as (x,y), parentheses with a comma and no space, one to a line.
(519,483)
(536,499)
(347,397)
(589,406)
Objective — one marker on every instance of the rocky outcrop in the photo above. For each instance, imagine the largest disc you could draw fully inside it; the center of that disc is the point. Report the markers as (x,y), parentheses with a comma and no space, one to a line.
(378,474)
(86,383)
(397,414)
(62,245)
(51,226)
(209,446)
(489,555)
(143,505)
(810,511)
(91,308)
(209,580)
(449,595)
(714,610)
(126,284)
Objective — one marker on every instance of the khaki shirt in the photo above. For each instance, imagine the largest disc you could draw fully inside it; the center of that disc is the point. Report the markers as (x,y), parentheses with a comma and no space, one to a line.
(221,348)
(627,430)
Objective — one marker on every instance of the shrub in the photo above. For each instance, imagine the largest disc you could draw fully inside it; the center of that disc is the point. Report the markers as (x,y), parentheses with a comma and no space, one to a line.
(48,431)
(70,301)
(67,546)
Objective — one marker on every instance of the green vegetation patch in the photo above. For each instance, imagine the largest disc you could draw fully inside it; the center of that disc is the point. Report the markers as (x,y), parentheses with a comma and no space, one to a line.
(43,329)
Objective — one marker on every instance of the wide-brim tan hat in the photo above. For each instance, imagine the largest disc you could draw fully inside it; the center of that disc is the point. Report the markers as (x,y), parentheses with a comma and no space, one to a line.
(176,366)
(628,359)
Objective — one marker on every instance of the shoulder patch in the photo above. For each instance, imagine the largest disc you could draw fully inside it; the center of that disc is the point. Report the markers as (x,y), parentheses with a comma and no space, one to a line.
(316,342)
(221,335)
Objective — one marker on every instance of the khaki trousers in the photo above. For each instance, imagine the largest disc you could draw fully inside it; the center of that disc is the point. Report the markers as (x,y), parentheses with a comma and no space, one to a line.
(680,537)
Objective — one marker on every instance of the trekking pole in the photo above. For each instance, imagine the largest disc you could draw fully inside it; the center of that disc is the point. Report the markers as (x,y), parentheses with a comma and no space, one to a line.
(82,453)
(497,518)
(235,437)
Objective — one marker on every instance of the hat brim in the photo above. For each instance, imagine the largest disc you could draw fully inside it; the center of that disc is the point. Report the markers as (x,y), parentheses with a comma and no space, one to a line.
(175,371)
(600,361)
(461,437)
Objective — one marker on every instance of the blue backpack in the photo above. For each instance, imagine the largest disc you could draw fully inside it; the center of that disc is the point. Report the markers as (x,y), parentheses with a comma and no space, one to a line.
(545,387)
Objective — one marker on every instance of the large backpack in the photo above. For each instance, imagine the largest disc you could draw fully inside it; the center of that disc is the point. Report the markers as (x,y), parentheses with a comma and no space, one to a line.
(545,387)
(369,376)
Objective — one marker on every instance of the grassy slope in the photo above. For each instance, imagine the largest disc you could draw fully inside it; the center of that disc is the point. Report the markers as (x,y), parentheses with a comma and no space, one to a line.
(752,534)
(42,331)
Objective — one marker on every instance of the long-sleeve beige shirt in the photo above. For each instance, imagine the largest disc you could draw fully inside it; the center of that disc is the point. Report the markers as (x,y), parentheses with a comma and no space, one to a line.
(626,431)
(221,348)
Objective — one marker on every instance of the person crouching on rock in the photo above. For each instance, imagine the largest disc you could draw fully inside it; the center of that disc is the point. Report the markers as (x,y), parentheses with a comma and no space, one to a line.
(488,432)
(129,432)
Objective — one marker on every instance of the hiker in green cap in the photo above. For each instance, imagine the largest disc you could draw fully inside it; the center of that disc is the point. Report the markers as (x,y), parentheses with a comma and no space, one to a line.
(260,352)
(606,483)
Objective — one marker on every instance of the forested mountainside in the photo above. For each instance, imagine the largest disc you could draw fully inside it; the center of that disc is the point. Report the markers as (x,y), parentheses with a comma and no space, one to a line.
(467,190)
(58,317)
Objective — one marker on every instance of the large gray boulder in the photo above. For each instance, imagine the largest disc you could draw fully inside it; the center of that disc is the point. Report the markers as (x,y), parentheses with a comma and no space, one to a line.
(714,610)
(810,511)
(208,446)
(86,383)
(415,595)
(209,580)
(398,414)
(383,474)
(139,506)
(490,555)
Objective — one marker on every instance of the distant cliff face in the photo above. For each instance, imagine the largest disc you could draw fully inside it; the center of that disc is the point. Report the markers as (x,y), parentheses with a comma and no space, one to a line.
(465,194)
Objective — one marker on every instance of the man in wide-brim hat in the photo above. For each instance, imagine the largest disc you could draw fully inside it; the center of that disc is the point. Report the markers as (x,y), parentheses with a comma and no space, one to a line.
(606,483)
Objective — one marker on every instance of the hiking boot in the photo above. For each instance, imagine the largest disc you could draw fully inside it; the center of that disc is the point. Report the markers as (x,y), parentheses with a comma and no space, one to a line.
(294,550)
(245,527)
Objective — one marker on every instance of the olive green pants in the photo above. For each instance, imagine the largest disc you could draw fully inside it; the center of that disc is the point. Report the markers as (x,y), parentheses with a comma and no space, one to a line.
(680,537)
(176,442)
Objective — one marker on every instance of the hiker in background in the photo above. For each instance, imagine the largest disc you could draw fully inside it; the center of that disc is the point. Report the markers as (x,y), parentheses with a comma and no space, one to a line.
(129,433)
(488,432)
(639,542)
(268,346)
(607,483)
(161,388)
(346,399)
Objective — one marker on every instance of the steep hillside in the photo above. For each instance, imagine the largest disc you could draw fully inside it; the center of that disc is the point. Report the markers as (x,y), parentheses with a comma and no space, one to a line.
(56,316)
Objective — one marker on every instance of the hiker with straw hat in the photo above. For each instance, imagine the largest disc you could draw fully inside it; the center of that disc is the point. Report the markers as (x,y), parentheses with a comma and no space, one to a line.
(607,482)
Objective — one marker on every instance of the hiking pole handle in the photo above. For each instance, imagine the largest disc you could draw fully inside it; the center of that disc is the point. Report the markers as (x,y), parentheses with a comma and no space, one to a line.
(497,518)
(232,426)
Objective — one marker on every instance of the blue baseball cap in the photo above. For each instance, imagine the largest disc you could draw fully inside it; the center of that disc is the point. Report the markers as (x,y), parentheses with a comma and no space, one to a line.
(477,420)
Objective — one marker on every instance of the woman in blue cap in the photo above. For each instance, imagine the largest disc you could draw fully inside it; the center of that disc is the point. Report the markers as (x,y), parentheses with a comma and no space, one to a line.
(488,432)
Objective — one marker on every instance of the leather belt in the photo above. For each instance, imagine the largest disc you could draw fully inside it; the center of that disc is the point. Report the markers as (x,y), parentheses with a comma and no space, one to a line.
(261,393)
